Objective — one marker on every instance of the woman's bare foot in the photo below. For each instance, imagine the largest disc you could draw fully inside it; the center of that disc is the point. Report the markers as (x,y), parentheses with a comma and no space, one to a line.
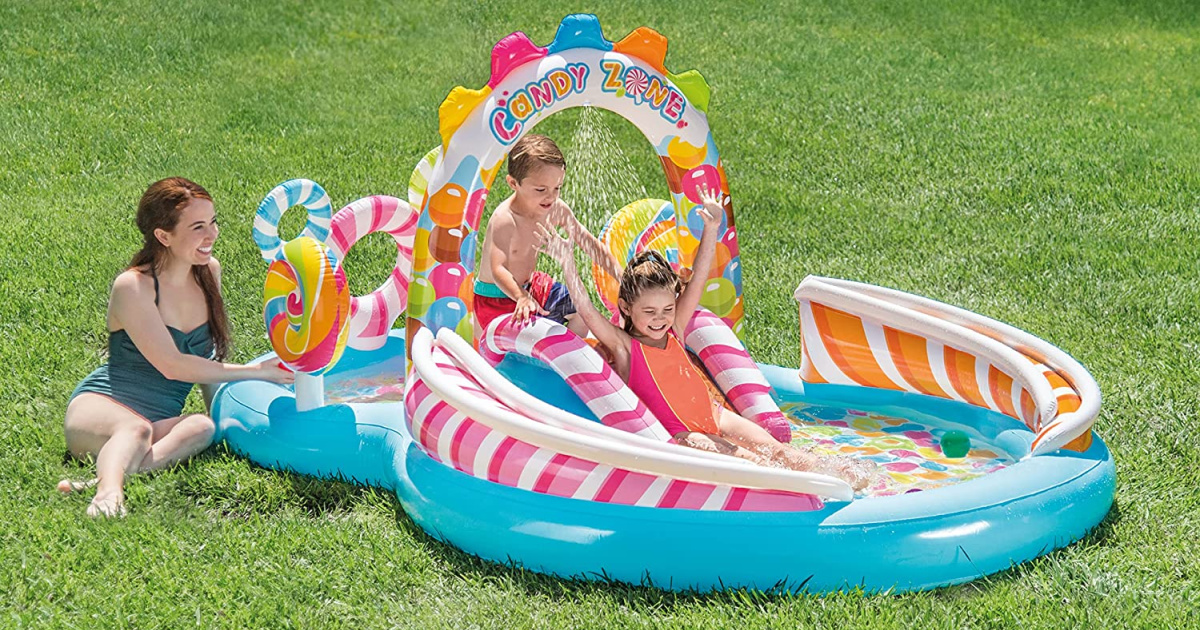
(107,505)
(67,486)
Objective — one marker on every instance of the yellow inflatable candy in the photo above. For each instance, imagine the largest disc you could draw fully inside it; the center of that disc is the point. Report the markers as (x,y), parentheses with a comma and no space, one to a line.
(306,306)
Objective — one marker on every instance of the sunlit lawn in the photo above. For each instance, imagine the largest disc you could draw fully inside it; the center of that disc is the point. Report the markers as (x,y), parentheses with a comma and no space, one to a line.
(1036,162)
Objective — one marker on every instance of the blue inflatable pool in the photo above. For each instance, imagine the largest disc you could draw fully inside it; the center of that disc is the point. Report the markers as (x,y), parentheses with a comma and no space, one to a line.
(942,535)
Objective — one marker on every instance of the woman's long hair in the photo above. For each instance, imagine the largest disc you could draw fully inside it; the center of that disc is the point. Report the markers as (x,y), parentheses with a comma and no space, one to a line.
(647,270)
(159,209)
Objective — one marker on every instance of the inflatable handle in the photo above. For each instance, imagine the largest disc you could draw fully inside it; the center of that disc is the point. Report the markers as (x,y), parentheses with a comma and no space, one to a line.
(738,376)
(372,315)
(304,192)
(580,366)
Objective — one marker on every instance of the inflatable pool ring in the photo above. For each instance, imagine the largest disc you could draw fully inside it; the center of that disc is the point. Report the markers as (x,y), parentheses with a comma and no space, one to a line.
(306,307)
(372,315)
(516,501)
(510,464)
(293,192)
(528,83)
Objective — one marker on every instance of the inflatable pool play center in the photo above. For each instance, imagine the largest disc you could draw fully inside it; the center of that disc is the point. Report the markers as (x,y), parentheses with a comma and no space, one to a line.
(519,444)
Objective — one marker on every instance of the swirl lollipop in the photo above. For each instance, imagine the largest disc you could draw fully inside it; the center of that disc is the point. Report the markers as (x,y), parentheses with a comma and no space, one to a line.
(636,83)
(306,307)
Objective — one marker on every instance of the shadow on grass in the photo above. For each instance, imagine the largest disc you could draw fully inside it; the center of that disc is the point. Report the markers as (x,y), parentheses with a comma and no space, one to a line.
(235,487)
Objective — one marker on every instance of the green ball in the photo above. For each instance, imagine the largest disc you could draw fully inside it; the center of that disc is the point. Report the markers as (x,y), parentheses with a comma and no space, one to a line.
(719,296)
(465,328)
(420,296)
(956,444)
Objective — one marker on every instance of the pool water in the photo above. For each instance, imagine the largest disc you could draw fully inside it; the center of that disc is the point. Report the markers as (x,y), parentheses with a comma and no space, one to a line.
(905,447)
(908,453)
(366,389)
(371,383)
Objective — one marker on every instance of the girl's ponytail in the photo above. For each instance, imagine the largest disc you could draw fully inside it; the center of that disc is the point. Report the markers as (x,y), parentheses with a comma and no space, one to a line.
(647,270)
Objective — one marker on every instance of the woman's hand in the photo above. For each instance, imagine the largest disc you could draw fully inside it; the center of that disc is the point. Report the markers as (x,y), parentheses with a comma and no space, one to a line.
(712,209)
(275,372)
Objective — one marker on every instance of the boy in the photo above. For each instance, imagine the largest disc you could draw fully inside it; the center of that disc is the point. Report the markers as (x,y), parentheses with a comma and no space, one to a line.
(508,281)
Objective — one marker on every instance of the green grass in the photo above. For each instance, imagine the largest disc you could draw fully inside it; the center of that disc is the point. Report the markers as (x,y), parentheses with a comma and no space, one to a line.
(1034,161)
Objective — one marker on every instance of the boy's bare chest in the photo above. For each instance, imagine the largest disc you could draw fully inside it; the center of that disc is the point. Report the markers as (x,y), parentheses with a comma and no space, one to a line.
(524,236)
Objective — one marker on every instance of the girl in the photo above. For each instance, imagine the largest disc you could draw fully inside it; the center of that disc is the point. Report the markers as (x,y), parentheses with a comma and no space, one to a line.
(167,330)
(648,355)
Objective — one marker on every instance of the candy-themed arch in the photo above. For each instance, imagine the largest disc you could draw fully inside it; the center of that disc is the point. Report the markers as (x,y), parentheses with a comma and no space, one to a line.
(528,83)
(478,461)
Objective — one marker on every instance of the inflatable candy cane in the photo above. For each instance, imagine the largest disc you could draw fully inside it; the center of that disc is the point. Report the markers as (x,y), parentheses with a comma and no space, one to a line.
(738,376)
(372,316)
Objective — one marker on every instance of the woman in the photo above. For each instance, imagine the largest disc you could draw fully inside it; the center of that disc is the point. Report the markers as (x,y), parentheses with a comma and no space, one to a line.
(167,331)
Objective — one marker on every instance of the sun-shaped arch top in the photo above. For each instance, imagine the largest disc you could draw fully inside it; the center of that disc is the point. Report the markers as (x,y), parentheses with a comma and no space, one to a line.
(528,83)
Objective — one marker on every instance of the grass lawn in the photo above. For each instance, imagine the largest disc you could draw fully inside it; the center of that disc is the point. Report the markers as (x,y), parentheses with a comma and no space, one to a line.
(1037,162)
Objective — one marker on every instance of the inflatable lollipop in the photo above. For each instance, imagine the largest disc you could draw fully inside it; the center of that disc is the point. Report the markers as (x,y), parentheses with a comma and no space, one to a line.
(306,307)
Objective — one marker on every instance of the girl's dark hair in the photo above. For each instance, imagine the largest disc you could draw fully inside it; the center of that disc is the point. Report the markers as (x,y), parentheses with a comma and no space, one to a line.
(647,270)
(160,208)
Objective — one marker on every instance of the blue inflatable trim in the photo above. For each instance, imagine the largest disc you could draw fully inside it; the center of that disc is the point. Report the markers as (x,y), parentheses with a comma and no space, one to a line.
(580,30)
(916,541)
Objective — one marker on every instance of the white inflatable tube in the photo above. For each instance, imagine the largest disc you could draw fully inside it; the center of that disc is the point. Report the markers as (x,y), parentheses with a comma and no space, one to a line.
(618,455)
(464,355)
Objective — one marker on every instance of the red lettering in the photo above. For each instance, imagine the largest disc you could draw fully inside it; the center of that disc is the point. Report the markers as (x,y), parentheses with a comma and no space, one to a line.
(505,134)
(674,108)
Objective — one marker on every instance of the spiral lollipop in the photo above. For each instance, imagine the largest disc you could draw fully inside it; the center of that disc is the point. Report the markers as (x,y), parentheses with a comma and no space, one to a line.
(636,83)
(306,307)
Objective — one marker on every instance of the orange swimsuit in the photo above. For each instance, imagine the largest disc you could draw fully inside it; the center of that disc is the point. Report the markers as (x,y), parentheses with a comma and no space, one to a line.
(671,387)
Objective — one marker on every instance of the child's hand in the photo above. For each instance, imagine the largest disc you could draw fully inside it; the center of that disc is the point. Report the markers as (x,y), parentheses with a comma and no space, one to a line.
(526,308)
(555,246)
(712,209)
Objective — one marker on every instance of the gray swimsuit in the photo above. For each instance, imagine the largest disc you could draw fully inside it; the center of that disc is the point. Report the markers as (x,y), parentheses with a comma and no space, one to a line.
(133,381)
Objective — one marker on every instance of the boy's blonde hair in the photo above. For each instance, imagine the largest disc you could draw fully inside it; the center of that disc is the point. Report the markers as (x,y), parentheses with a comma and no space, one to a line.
(530,151)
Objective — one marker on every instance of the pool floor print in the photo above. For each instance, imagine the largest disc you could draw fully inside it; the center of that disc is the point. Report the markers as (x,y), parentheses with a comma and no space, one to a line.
(908,454)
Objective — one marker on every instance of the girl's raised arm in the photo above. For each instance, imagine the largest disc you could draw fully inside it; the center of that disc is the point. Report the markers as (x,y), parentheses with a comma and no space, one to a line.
(689,300)
(563,251)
